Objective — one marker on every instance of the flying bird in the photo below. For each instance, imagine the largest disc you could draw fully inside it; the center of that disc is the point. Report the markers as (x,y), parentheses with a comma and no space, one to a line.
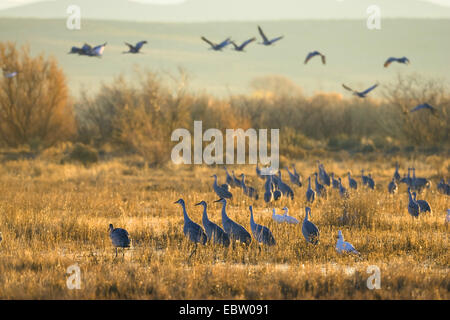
(136,48)
(313,54)
(403,60)
(217,47)
(361,94)
(424,106)
(243,44)
(266,41)
(87,50)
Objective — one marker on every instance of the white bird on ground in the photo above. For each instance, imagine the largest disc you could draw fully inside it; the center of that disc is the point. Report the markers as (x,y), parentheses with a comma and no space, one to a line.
(288,218)
(343,246)
(277,217)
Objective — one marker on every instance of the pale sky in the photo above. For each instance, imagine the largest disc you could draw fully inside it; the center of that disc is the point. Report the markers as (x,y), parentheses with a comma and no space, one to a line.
(12,3)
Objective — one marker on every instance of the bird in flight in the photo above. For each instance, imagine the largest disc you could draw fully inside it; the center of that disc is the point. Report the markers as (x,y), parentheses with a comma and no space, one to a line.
(361,94)
(266,41)
(425,106)
(243,45)
(217,47)
(313,54)
(403,60)
(87,50)
(136,48)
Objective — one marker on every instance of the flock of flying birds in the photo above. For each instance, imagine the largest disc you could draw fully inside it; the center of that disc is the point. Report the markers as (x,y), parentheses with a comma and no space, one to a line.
(97,51)
(274,189)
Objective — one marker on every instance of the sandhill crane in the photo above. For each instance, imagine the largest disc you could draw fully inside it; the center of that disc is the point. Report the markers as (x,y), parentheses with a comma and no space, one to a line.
(323,175)
(229,179)
(396,174)
(407,178)
(447,218)
(277,194)
(9,75)
(235,231)
(418,183)
(89,51)
(221,191)
(334,182)
(288,218)
(343,246)
(213,231)
(266,41)
(249,191)
(242,46)
(192,230)
(309,229)
(444,187)
(320,189)
(423,204)
(136,48)
(294,178)
(370,182)
(424,106)
(295,171)
(342,191)
(217,47)
(237,182)
(313,54)
(261,233)
(310,193)
(392,187)
(413,206)
(276,217)
(361,94)
(268,189)
(403,60)
(119,238)
(283,187)
(352,182)
(364,178)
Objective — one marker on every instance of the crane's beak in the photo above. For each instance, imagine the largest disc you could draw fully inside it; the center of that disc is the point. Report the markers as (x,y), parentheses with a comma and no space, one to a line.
(219,200)
(197,204)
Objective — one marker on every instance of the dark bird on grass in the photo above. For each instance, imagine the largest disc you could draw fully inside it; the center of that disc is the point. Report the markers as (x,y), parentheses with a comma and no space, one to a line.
(261,233)
(396,173)
(342,190)
(192,230)
(266,41)
(320,189)
(310,193)
(119,238)
(243,44)
(249,191)
(352,182)
(136,48)
(214,233)
(403,60)
(361,94)
(221,190)
(392,187)
(229,178)
(443,187)
(313,54)
(295,179)
(334,182)
(413,206)
(235,231)
(423,204)
(309,229)
(424,106)
(217,47)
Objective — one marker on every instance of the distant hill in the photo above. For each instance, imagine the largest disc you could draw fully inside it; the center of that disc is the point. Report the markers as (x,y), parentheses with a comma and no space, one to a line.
(224,10)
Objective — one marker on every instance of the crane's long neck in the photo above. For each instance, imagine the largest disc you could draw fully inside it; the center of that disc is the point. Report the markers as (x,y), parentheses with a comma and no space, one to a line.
(306,214)
(309,183)
(205,214)
(224,211)
(186,217)
(286,210)
(252,222)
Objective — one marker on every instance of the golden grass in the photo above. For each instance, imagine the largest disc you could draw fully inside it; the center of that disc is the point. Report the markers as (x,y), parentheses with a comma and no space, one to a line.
(53,216)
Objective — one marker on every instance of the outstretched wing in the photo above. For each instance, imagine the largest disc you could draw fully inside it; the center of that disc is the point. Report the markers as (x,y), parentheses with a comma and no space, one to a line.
(209,42)
(140,44)
(324,59)
(347,88)
(389,61)
(423,106)
(98,50)
(262,34)
(309,56)
(370,89)
(245,43)
(224,43)
(86,48)
(129,45)
(276,39)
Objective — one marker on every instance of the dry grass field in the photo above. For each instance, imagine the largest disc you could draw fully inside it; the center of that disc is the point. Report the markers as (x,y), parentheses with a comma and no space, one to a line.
(53,216)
